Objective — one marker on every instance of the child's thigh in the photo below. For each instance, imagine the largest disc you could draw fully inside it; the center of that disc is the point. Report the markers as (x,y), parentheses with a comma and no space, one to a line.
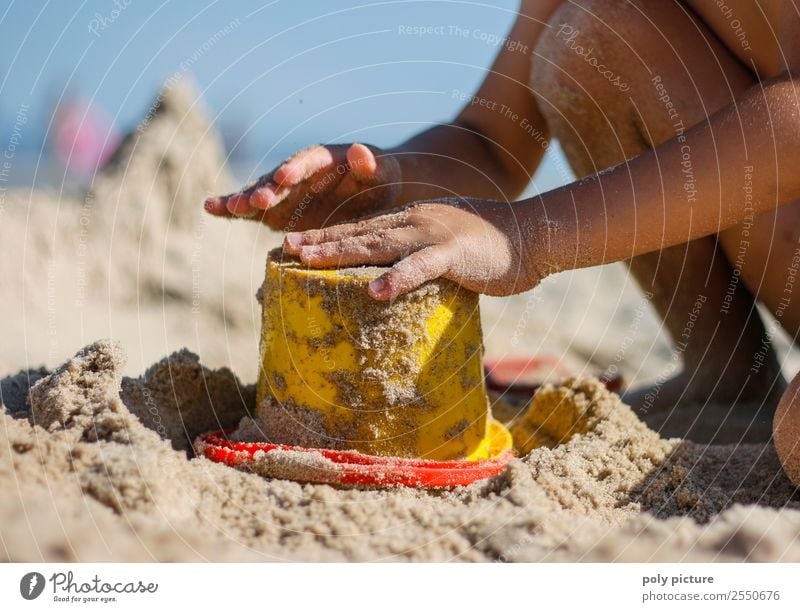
(786,431)
(765,253)
(614,78)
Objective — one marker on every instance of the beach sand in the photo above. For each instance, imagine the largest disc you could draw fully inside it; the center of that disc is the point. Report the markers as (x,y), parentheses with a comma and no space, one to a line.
(86,479)
(95,459)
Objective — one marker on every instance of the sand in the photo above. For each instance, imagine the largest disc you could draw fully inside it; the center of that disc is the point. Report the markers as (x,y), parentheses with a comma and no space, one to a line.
(86,479)
(98,467)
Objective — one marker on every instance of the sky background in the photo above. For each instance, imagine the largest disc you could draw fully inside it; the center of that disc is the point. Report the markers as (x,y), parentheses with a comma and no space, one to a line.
(287,73)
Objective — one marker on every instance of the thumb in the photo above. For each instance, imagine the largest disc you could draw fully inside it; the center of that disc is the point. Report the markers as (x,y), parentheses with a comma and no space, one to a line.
(372,166)
(362,162)
(409,273)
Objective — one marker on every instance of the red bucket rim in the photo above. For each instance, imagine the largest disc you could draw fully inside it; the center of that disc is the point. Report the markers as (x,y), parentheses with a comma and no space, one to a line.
(354,468)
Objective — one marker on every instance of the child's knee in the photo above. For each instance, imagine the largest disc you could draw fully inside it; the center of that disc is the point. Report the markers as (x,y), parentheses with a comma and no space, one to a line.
(580,44)
(582,63)
(786,431)
(601,49)
(552,55)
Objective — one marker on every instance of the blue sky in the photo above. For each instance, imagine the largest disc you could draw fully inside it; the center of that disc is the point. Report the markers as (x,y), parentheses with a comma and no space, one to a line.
(287,72)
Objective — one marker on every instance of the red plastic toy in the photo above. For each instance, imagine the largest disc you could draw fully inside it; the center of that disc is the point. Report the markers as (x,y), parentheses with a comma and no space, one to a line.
(354,468)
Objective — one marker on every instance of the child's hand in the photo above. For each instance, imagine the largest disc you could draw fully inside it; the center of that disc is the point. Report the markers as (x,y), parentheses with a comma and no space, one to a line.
(318,186)
(478,244)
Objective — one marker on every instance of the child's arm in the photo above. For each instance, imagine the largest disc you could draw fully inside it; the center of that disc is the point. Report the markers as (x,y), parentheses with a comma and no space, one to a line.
(741,162)
(651,202)
(483,153)
(496,142)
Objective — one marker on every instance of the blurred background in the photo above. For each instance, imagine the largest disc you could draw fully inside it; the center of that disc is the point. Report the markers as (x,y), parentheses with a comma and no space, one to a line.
(125,251)
(276,76)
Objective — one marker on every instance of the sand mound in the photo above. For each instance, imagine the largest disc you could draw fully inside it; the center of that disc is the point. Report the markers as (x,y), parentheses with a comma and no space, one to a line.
(136,258)
(179,398)
(90,471)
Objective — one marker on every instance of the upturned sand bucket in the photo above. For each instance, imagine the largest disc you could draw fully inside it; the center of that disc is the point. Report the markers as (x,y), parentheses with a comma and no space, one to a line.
(340,370)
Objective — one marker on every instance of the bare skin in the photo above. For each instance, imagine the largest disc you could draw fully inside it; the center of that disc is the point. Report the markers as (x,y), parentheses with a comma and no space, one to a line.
(740,114)
(669,86)
(480,154)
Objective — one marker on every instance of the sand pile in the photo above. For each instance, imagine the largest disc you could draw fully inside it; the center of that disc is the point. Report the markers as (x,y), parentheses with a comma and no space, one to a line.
(136,258)
(91,471)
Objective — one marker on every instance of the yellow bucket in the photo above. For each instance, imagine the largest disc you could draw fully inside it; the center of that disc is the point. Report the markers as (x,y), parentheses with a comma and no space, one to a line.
(343,371)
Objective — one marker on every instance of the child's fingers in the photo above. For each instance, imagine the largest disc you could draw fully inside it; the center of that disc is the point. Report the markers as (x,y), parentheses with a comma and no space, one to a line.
(293,241)
(267,195)
(217,206)
(316,170)
(307,163)
(311,174)
(272,189)
(374,248)
(233,205)
(239,205)
(409,273)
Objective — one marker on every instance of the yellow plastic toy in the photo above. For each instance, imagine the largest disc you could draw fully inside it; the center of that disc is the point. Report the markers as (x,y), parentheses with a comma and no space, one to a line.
(340,370)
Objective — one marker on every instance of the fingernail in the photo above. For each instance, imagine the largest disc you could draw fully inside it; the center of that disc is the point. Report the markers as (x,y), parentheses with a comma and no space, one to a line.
(377,287)
(294,240)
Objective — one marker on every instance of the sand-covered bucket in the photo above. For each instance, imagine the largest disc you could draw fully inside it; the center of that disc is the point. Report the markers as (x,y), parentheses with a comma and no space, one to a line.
(340,370)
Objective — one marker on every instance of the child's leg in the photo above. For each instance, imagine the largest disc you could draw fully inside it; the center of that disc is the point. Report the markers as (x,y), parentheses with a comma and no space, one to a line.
(614,79)
(786,431)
